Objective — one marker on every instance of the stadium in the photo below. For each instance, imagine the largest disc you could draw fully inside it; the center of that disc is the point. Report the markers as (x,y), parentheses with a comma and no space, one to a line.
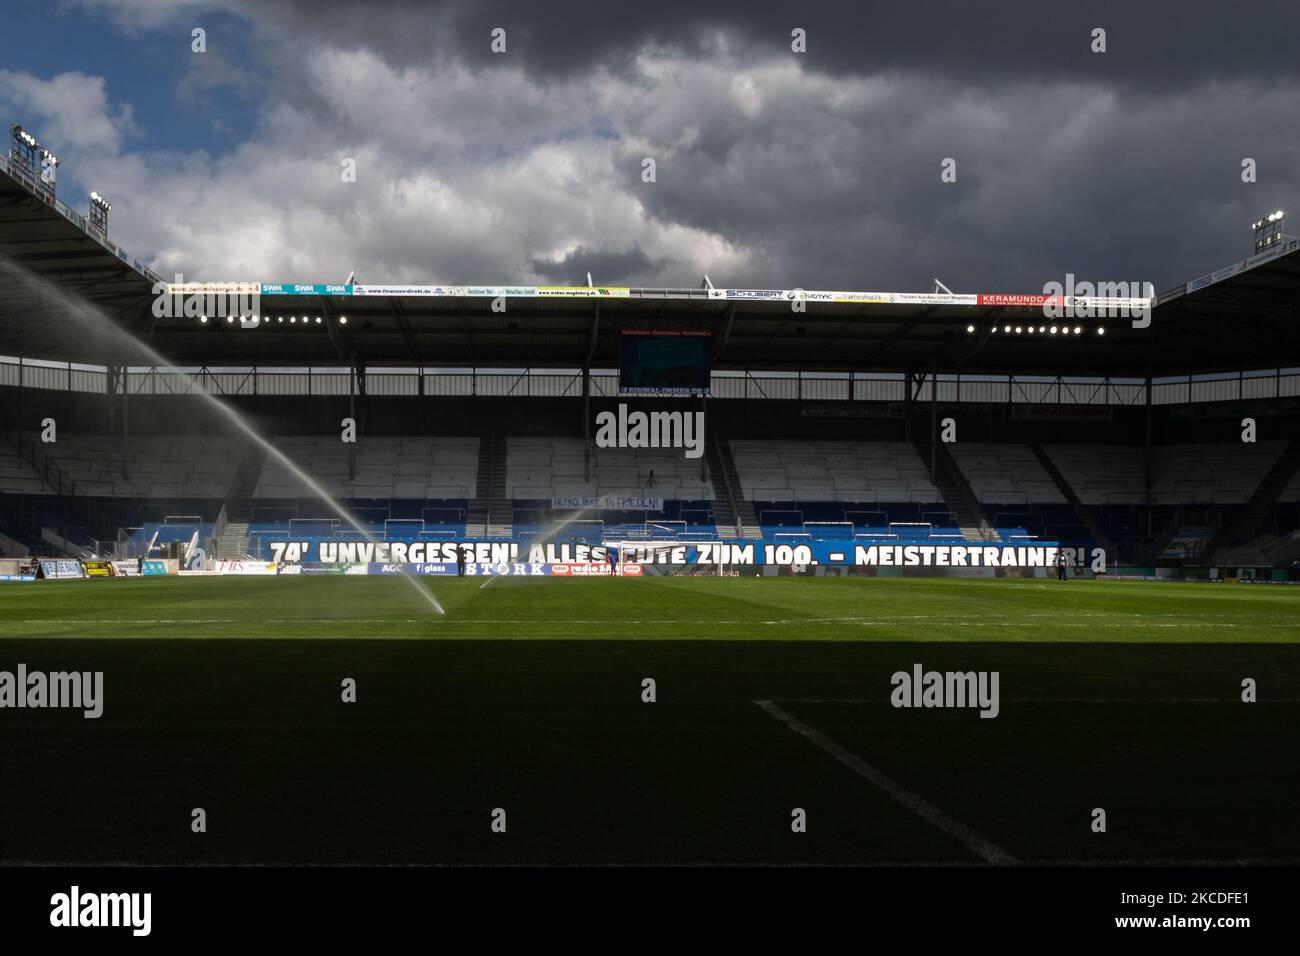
(310,536)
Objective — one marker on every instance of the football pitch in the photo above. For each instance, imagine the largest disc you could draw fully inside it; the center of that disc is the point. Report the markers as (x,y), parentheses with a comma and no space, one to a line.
(529,696)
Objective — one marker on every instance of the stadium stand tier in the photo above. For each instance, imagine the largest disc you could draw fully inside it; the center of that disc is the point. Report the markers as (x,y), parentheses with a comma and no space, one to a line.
(160,489)
(407,467)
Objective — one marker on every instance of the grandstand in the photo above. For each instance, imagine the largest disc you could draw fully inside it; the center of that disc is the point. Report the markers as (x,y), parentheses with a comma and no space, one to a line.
(476,427)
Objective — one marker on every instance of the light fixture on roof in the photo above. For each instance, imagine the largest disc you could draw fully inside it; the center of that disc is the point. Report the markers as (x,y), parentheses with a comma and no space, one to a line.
(230,320)
(1078,330)
(1053,330)
(99,209)
(293,319)
(318,320)
(1101,330)
(343,320)
(203,319)
(1006,328)
(970,328)
(40,164)
(1268,231)
(1018,329)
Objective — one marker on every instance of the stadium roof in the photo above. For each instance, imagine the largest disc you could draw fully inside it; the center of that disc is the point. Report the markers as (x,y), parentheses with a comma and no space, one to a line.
(1241,317)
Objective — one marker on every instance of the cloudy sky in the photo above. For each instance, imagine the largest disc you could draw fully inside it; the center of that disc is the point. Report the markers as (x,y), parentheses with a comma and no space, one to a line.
(773,168)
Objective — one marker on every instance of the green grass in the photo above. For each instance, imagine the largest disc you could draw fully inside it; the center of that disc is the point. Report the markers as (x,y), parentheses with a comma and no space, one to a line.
(527,695)
(659,608)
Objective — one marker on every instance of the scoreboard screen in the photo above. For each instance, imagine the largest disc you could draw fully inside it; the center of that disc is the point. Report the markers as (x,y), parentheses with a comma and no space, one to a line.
(665,363)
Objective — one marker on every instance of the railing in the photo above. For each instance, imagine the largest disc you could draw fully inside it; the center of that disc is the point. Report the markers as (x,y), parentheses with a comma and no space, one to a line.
(751,385)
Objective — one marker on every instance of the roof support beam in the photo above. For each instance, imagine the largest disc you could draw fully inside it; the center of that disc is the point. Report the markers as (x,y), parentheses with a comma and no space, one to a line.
(726,332)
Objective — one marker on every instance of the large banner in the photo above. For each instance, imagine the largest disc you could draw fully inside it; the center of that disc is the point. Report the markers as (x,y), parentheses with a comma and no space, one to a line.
(608,503)
(841,554)
(442,557)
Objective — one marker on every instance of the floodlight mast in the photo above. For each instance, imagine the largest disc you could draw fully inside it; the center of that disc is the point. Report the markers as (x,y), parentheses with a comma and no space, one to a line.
(39,165)
(99,209)
(1269,231)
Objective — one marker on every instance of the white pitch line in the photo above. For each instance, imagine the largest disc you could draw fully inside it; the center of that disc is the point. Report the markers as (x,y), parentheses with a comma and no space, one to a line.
(863,621)
(976,842)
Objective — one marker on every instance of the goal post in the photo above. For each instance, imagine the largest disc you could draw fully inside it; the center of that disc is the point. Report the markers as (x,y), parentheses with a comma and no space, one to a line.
(656,557)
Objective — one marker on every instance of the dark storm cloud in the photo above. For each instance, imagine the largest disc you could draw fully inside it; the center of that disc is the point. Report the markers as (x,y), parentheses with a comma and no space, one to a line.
(1149,44)
(819,170)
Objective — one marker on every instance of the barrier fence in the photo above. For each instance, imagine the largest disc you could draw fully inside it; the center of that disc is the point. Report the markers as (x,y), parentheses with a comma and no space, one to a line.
(756,385)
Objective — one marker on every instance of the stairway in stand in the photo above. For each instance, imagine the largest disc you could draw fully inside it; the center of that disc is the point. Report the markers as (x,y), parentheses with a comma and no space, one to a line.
(490,513)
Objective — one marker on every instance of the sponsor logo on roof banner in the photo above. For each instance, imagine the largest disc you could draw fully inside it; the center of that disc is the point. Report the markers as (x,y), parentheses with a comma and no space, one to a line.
(878,297)
(1227,272)
(285,288)
(931,298)
(584,291)
(819,295)
(495,291)
(763,295)
(1028,301)
(403,290)
(204,288)
(1092,304)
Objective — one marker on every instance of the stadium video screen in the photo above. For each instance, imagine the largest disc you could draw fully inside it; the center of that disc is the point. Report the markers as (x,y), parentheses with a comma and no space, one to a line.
(665,363)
